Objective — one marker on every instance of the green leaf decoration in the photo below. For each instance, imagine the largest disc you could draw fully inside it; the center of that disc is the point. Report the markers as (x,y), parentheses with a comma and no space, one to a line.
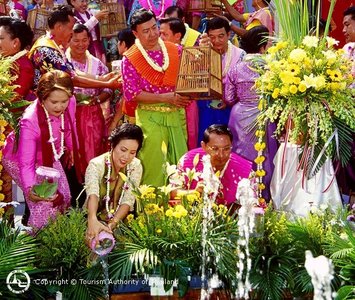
(45,189)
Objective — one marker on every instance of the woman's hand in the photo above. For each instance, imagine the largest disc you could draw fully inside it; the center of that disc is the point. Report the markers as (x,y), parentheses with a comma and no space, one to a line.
(94,228)
(35,198)
(112,224)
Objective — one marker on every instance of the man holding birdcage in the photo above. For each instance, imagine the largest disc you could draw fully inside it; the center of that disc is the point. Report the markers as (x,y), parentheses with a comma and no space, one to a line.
(149,70)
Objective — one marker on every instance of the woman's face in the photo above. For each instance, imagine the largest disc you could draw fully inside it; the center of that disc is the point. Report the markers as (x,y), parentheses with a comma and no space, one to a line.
(124,152)
(56,103)
(8,46)
(80,5)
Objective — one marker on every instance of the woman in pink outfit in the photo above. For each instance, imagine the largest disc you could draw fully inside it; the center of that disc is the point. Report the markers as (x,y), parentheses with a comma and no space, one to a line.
(46,138)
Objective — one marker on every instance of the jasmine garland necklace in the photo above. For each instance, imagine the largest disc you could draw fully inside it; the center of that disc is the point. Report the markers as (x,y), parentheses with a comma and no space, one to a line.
(108,182)
(151,62)
(51,140)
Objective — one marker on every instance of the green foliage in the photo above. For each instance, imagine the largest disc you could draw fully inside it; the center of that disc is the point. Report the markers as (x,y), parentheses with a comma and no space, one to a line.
(272,262)
(341,249)
(17,252)
(312,233)
(63,249)
(168,240)
(62,242)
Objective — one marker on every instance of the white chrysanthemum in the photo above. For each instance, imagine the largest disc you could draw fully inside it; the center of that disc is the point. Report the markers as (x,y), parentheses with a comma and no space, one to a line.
(330,56)
(297,55)
(310,41)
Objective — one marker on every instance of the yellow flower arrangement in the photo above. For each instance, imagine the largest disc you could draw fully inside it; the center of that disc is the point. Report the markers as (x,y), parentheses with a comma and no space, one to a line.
(304,87)
(3,124)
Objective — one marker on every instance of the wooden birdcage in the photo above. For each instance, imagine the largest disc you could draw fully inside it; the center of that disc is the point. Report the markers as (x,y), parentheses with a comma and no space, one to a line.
(3,8)
(37,19)
(207,6)
(200,73)
(116,19)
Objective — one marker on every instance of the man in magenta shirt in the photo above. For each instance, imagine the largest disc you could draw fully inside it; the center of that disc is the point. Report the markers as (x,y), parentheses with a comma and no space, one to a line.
(231,168)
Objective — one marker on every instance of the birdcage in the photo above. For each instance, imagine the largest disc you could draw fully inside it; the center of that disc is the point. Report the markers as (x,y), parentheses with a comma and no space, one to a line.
(200,73)
(116,19)
(37,19)
(207,6)
(3,8)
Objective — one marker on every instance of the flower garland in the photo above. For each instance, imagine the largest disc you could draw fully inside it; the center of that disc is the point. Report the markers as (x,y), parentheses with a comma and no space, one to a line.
(155,66)
(107,198)
(3,124)
(260,172)
(228,59)
(151,6)
(18,55)
(51,140)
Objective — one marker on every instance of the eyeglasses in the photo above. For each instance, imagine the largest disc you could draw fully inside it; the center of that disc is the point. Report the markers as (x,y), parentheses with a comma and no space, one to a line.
(215,150)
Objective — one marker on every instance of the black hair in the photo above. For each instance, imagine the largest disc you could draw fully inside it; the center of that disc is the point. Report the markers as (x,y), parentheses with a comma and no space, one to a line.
(176,25)
(126,131)
(219,129)
(350,11)
(171,9)
(254,39)
(141,16)
(17,28)
(126,35)
(60,14)
(79,28)
(217,23)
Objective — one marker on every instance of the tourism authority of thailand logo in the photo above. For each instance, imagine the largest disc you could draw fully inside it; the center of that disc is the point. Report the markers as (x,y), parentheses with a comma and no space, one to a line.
(18,281)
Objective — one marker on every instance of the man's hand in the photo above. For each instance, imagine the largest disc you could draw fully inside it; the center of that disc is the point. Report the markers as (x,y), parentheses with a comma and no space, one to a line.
(109,76)
(102,14)
(204,40)
(177,100)
(114,83)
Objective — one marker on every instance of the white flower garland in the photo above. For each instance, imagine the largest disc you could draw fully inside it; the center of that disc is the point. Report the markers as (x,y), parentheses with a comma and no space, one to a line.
(51,140)
(152,8)
(108,183)
(18,55)
(155,66)
(228,59)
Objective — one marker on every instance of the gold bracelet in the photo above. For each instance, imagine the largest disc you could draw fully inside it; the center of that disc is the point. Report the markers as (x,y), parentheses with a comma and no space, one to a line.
(113,221)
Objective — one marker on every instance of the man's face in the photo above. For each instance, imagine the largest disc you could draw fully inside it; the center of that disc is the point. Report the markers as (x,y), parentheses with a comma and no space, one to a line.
(174,14)
(349,29)
(148,34)
(79,43)
(219,39)
(219,148)
(167,35)
(64,31)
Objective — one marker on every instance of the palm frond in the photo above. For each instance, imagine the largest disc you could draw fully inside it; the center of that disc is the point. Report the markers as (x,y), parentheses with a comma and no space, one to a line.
(346,292)
(135,256)
(345,135)
(17,250)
